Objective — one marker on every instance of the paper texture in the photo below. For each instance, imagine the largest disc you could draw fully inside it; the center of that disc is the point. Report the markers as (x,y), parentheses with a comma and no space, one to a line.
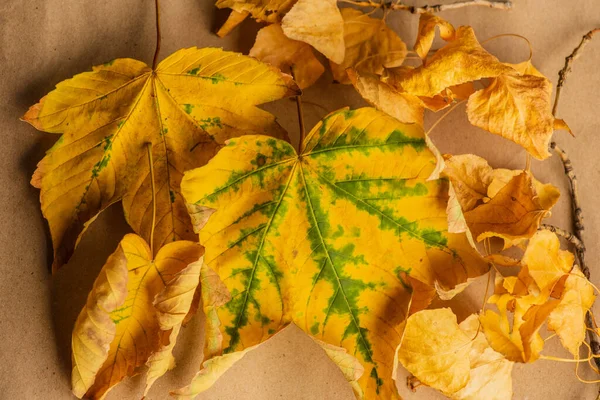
(46,41)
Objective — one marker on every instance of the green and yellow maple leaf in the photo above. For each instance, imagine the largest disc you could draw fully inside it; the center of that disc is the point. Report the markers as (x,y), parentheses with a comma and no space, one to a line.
(184,110)
(329,240)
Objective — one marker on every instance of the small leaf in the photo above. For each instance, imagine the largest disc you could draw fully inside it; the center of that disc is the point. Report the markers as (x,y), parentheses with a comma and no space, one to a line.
(370,44)
(234,19)
(270,11)
(514,213)
(460,61)
(427,24)
(436,350)
(518,108)
(545,261)
(119,328)
(568,318)
(318,23)
(402,106)
(274,47)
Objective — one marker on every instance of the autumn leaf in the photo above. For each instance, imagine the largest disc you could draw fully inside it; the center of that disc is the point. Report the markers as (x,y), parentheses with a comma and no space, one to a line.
(119,328)
(518,108)
(436,350)
(514,213)
(184,110)
(427,24)
(290,56)
(460,61)
(235,18)
(490,376)
(545,261)
(318,23)
(370,44)
(325,239)
(568,318)
(270,11)
(402,106)
(470,176)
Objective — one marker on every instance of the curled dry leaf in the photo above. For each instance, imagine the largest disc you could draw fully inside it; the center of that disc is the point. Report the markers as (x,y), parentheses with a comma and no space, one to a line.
(545,261)
(460,61)
(402,106)
(370,44)
(318,23)
(490,376)
(518,108)
(119,329)
(285,258)
(568,318)
(270,11)
(235,18)
(515,212)
(290,56)
(427,24)
(186,109)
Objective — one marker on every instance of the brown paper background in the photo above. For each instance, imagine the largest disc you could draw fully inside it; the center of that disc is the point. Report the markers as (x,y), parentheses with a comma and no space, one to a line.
(45,41)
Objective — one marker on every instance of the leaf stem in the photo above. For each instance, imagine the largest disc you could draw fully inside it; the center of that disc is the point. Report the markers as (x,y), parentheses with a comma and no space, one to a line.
(153,185)
(300,116)
(158,38)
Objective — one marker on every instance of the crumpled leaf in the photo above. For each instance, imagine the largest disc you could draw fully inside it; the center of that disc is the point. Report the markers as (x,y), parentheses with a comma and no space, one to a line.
(460,61)
(515,212)
(290,56)
(518,108)
(491,374)
(284,259)
(436,350)
(270,11)
(235,18)
(545,261)
(402,106)
(471,176)
(427,24)
(173,305)
(318,23)
(568,318)
(186,109)
(370,44)
(119,328)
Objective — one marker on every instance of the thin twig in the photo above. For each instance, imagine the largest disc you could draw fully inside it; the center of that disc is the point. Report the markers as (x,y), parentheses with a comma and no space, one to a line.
(155,59)
(151,163)
(300,116)
(568,167)
(565,234)
(562,75)
(389,5)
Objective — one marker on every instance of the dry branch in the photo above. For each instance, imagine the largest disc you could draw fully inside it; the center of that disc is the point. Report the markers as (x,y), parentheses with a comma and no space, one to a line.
(396,5)
(568,166)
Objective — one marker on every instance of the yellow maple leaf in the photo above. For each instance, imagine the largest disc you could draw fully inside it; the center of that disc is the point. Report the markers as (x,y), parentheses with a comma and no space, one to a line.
(370,44)
(119,328)
(427,24)
(318,23)
(436,350)
(290,56)
(460,61)
(184,110)
(339,227)
(471,176)
(568,318)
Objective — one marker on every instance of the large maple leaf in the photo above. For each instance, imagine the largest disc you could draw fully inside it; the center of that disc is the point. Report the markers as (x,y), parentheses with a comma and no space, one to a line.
(335,240)
(186,108)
